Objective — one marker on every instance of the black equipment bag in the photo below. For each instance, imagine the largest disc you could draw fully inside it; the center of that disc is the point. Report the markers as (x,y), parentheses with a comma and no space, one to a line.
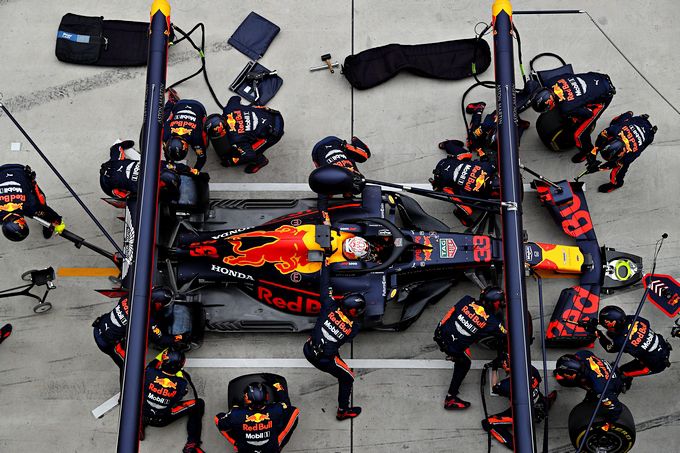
(95,41)
(447,60)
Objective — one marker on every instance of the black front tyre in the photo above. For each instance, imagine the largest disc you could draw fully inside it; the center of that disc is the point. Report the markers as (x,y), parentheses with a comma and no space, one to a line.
(556,133)
(618,438)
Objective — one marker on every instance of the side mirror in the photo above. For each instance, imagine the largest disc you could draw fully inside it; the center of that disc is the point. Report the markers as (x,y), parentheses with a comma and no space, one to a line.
(334,180)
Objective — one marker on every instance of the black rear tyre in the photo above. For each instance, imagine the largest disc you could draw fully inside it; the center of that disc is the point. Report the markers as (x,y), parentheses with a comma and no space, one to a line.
(619,438)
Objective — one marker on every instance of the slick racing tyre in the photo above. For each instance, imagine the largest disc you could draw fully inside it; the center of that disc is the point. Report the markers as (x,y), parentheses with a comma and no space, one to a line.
(618,438)
(555,133)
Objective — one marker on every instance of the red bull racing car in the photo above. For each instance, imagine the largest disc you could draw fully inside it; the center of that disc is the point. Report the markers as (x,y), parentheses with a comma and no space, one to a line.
(253,265)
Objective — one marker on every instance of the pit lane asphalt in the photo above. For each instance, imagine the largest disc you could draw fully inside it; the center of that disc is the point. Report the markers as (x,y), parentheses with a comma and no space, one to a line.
(52,375)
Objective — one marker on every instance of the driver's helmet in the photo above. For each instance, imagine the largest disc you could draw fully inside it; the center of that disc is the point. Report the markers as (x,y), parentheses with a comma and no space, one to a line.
(568,370)
(356,248)
(613,150)
(612,318)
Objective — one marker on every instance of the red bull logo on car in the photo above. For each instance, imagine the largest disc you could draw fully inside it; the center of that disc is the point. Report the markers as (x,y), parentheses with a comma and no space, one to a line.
(286,248)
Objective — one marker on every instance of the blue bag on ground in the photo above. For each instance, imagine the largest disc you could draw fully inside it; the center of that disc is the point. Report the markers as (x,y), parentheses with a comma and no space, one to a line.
(253,36)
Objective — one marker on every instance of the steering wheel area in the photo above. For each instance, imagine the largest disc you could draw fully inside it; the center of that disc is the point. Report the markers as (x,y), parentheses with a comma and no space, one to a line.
(399,247)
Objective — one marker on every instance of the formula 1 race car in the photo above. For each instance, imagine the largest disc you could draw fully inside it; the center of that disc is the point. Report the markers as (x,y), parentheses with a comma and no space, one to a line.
(240,277)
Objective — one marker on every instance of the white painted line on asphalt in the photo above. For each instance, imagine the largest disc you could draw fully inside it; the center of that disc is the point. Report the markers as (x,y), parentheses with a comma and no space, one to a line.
(387,364)
(281,187)
(106,407)
(359,364)
(298,187)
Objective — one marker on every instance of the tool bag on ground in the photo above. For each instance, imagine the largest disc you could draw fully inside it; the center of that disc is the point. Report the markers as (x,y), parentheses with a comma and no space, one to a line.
(447,60)
(94,41)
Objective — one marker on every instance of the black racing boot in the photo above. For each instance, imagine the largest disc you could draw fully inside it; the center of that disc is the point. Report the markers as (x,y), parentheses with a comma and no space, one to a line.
(5,332)
(350,412)
(474,107)
(578,157)
(193,447)
(606,188)
(257,165)
(452,402)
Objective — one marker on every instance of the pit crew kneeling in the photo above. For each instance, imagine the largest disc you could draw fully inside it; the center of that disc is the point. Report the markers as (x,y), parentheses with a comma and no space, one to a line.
(619,145)
(338,323)
(500,425)
(184,128)
(464,325)
(165,384)
(334,151)
(581,99)
(262,426)
(458,174)
(20,196)
(651,352)
(242,134)
(118,177)
(589,372)
(110,329)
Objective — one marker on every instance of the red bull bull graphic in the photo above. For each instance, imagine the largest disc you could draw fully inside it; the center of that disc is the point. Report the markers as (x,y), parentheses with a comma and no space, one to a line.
(423,253)
(231,122)
(11,207)
(257,418)
(180,131)
(286,248)
(165,383)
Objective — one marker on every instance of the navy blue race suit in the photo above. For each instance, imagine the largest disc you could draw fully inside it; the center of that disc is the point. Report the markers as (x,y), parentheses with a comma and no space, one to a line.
(163,404)
(249,130)
(264,430)
(650,350)
(597,371)
(636,132)
(458,174)
(335,151)
(481,135)
(118,177)
(465,324)
(20,194)
(332,329)
(186,118)
(110,330)
(581,99)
